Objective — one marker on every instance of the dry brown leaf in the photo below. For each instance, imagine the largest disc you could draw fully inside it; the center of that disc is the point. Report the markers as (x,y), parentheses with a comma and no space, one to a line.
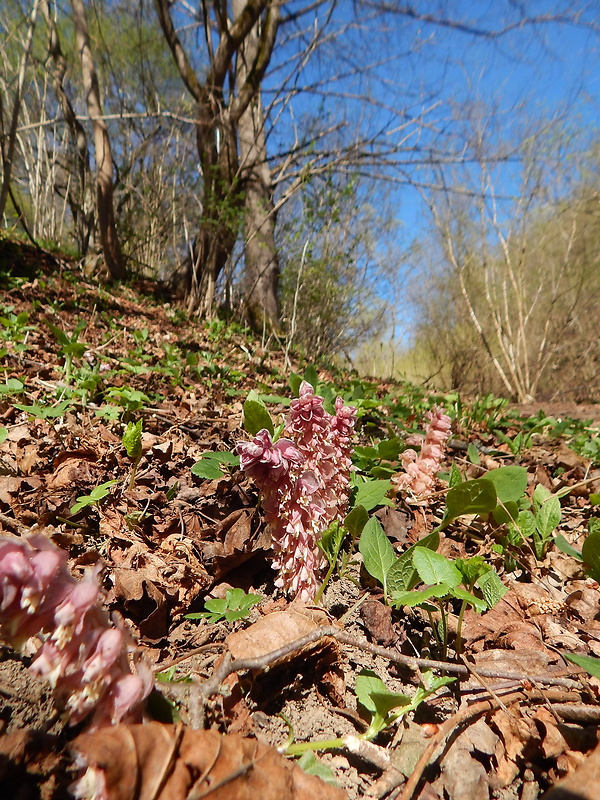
(580,785)
(275,630)
(165,762)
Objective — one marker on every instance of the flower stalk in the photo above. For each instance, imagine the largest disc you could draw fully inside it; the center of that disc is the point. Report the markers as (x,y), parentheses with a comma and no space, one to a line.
(304,480)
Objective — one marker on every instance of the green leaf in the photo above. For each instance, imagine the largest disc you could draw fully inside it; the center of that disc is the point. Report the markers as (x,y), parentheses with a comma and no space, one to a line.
(256,415)
(3,435)
(471,568)
(455,476)
(209,466)
(402,576)
(462,594)
(356,520)
(590,553)
(311,376)
(331,541)
(61,336)
(589,664)
(295,381)
(377,552)
(593,524)
(132,439)
(309,763)
(594,499)
(548,517)
(435,568)
(371,494)
(526,524)
(12,386)
(473,454)
(506,513)
(389,449)
(471,497)
(418,598)
(374,696)
(561,544)
(492,588)
(510,483)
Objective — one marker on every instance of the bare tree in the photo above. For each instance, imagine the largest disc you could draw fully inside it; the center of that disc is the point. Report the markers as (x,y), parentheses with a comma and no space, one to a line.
(111,247)
(220,105)
(261,270)
(8,148)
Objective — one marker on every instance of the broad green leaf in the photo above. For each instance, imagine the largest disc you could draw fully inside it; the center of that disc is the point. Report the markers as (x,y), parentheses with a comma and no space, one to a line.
(371,494)
(377,552)
(561,544)
(510,483)
(309,763)
(540,495)
(526,524)
(402,576)
(389,449)
(471,497)
(492,588)
(373,694)
(548,517)
(473,454)
(477,603)
(417,598)
(455,476)
(311,376)
(435,568)
(208,468)
(12,386)
(295,381)
(506,513)
(3,435)
(594,499)
(589,664)
(256,416)
(590,553)
(356,520)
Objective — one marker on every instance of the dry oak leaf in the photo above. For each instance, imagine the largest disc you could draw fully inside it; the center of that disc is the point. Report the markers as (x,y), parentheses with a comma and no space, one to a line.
(276,630)
(167,762)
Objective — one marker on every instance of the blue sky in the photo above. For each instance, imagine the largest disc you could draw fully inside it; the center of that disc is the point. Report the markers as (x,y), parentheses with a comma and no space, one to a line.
(530,75)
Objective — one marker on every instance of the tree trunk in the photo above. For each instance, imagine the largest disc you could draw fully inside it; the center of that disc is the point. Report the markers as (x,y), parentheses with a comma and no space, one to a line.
(111,248)
(221,206)
(8,151)
(260,254)
(78,192)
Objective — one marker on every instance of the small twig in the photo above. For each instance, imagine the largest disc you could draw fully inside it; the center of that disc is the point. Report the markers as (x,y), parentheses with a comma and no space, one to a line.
(204,648)
(446,728)
(230,665)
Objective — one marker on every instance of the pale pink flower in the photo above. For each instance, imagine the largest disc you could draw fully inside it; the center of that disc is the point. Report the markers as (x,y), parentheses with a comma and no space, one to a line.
(420,469)
(83,655)
(304,483)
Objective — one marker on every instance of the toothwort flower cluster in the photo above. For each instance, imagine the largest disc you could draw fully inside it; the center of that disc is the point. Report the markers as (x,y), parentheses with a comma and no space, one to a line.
(304,483)
(83,655)
(422,468)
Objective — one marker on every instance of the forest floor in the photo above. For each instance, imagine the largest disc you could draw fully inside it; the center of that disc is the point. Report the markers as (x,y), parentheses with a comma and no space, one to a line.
(80,362)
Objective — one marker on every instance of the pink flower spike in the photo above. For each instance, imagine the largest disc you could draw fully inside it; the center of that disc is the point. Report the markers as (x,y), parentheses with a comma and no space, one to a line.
(421,470)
